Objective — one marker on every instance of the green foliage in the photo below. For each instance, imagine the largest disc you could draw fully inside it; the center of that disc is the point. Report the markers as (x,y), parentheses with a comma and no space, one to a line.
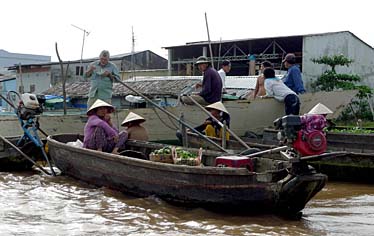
(354,130)
(333,61)
(330,80)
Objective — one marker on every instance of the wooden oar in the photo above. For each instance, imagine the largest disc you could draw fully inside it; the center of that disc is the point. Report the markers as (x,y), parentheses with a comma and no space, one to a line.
(219,122)
(24,155)
(170,114)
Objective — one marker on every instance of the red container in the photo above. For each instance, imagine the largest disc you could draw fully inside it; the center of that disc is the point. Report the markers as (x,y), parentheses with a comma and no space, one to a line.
(235,162)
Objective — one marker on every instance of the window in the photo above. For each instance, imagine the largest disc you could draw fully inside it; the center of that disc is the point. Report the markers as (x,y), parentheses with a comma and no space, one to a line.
(79,70)
(21,89)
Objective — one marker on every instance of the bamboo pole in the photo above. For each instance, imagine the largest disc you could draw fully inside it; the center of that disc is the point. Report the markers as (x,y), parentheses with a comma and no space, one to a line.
(23,154)
(170,114)
(219,122)
(210,44)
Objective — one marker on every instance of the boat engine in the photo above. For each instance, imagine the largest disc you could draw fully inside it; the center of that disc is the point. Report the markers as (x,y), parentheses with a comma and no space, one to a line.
(30,106)
(303,133)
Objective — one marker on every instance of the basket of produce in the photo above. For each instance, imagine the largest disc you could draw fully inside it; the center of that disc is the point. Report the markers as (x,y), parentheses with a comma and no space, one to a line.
(162,155)
(183,157)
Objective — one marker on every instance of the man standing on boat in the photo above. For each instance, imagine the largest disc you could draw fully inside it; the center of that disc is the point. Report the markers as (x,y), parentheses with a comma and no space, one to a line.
(225,68)
(211,86)
(102,73)
(293,78)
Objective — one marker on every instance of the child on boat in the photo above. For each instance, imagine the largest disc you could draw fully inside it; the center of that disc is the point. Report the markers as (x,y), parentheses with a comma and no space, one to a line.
(135,130)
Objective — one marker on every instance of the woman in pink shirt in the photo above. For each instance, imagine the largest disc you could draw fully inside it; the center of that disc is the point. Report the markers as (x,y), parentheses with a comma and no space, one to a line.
(99,133)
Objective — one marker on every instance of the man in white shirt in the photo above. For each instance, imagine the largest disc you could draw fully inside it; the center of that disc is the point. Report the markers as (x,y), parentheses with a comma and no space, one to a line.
(226,67)
(276,88)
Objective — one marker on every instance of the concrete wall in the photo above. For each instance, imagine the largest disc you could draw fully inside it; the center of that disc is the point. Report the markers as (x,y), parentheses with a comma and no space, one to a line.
(41,80)
(344,43)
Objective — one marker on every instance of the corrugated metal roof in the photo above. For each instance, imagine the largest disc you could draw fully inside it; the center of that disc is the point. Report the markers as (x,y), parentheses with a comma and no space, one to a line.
(249,39)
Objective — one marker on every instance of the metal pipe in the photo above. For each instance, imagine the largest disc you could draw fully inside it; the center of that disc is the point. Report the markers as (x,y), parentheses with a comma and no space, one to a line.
(170,114)
(219,122)
(273,150)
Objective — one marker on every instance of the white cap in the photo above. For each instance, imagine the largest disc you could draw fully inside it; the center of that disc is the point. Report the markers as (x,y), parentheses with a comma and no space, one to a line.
(132,117)
(218,106)
(320,109)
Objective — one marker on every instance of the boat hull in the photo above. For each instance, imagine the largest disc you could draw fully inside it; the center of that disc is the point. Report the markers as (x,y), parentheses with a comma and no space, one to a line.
(352,162)
(218,188)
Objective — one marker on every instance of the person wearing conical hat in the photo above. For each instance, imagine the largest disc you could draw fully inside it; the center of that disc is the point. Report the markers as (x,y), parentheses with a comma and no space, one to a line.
(211,86)
(99,133)
(316,118)
(210,127)
(135,130)
(320,109)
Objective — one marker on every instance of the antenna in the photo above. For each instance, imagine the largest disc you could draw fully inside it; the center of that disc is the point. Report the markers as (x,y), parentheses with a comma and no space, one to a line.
(85,33)
(132,52)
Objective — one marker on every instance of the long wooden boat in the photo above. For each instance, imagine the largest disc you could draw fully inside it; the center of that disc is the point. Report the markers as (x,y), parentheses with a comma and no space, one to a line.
(352,162)
(11,160)
(246,115)
(274,185)
(350,142)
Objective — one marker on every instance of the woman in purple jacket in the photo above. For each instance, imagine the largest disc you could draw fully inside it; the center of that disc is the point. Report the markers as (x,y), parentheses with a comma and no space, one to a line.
(99,133)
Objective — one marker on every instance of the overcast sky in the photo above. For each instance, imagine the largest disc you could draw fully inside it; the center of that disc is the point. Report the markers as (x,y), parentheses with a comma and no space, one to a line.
(33,26)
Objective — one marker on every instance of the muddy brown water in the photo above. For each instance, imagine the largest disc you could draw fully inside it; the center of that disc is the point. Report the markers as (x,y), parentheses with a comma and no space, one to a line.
(32,204)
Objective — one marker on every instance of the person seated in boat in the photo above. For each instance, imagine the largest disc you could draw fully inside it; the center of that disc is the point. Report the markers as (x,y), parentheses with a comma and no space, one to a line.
(134,129)
(276,88)
(210,127)
(99,133)
(319,109)
(211,87)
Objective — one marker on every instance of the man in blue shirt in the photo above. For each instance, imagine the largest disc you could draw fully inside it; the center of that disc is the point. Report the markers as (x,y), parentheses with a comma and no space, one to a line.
(293,78)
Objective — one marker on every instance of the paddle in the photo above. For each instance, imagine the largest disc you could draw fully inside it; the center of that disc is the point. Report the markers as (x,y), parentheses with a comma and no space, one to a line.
(170,114)
(219,122)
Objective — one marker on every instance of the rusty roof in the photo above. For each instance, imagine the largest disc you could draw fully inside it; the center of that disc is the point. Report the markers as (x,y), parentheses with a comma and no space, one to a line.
(151,88)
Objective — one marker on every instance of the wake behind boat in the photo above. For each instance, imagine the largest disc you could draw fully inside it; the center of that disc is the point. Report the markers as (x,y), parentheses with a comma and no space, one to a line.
(272,186)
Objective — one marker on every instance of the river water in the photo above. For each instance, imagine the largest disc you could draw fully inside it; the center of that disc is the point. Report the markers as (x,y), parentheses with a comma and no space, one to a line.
(33,204)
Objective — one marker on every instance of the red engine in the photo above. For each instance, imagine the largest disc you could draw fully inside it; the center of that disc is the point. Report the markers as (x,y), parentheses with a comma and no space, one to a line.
(304,133)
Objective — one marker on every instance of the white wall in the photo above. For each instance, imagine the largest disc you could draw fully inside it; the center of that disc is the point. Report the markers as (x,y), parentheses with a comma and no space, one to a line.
(344,43)
(41,80)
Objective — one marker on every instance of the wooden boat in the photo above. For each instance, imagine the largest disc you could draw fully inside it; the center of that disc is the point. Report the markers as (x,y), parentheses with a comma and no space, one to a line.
(274,186)
(347,161)
(11,160)
(350,142)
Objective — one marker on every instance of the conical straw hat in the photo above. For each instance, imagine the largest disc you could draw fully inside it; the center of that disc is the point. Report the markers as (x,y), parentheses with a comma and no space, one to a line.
(132,117)
(100,103)
(320,109)
(218,106)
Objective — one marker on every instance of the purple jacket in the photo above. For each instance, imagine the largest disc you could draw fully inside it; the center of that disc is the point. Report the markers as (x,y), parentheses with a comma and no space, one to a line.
(212,86)
(93,122)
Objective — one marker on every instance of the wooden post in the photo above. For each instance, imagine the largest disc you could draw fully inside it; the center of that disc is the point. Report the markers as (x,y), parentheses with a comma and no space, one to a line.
(224,130)
(183,131)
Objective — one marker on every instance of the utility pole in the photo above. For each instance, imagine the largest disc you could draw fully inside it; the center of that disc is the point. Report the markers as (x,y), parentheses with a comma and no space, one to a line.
(85,33)
(132,53)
